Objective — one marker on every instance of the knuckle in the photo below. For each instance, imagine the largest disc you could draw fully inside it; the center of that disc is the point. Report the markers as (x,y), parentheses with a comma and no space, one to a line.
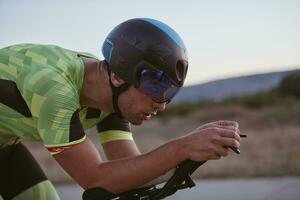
(237,136)
(235,129)
(228,123)
(236,144)
(215,129)
(232,134)
(235,123)
(218,130)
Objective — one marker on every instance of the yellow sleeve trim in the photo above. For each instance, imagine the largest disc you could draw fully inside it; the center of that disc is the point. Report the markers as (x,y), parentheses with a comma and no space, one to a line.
(58,148)
(113,135)
(67,144)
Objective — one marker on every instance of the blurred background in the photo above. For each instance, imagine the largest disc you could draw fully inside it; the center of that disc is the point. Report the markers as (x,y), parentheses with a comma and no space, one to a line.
(244,66)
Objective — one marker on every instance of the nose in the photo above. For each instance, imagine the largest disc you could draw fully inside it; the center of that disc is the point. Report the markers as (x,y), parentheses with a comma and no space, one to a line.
(159,106)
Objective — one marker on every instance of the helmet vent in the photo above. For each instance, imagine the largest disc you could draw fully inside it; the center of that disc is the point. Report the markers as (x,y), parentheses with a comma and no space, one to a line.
(181,69)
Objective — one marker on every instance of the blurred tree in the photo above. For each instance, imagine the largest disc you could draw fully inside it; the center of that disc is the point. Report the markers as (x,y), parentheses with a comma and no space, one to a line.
(290,85)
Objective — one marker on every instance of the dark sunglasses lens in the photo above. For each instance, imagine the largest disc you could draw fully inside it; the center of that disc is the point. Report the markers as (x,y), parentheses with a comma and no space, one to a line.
(159,90)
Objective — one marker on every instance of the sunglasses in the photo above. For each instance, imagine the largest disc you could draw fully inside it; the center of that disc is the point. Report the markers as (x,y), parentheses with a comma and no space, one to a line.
(157,85)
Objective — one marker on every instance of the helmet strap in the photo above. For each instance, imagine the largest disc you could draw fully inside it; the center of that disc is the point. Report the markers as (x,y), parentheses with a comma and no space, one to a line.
(116,91)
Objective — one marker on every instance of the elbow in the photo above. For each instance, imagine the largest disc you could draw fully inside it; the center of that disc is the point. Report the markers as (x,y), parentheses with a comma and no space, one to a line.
(94,180)
(89,183)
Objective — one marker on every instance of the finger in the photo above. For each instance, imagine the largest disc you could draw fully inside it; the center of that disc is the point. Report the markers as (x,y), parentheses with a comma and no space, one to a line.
(217,125)
(206,125)
(229,133)
(222,151)
(236,150)
(227,123)
(215,156)
(228,142)
(233,128)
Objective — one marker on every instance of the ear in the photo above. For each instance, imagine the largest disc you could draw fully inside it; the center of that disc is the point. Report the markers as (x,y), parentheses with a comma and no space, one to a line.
(116,81)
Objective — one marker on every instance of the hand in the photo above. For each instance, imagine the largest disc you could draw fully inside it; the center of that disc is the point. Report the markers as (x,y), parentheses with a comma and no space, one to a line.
(212,141)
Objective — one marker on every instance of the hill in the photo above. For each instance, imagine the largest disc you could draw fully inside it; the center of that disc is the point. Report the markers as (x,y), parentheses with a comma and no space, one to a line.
(220,89)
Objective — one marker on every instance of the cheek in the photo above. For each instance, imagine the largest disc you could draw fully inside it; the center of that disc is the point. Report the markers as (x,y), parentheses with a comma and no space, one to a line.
(127,102)
(135,100)
(141,96)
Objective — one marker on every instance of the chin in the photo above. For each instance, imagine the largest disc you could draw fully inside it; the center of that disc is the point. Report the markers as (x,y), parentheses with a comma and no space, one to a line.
(136,123)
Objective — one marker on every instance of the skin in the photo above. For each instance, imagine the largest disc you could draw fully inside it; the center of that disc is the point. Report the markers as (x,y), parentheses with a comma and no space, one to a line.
(127,168)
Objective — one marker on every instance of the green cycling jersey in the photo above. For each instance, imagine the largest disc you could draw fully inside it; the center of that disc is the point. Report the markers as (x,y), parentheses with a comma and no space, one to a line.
(40,99)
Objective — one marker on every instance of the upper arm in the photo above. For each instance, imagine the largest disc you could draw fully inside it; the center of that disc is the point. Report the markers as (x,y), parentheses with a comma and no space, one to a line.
(116,137)
(81,162)
(120,149)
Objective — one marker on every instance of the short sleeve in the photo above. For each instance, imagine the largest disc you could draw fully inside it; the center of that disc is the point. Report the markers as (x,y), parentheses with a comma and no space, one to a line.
(54,103)
(113,128)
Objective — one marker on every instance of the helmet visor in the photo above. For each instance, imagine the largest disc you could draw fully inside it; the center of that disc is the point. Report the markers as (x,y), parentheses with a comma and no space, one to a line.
(156,85)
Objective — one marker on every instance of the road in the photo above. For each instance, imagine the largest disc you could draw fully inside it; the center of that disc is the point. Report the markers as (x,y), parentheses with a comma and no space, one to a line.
(286,188)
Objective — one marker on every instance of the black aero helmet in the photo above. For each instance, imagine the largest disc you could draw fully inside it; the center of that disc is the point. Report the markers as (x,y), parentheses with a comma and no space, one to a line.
(143,41)
(138,45)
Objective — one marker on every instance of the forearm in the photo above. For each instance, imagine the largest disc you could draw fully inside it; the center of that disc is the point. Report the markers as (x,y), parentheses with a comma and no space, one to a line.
(85,165)
(123,174)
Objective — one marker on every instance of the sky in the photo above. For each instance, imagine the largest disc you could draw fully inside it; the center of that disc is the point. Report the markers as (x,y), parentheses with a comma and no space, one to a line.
(224,38)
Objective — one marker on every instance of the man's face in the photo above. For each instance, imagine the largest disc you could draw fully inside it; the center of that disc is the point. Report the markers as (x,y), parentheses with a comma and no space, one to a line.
(137,107)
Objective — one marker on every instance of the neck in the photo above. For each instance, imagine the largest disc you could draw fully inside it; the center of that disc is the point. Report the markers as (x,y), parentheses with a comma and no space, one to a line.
(96,91)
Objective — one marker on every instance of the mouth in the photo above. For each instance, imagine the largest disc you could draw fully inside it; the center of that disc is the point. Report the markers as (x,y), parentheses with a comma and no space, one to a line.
(148,115)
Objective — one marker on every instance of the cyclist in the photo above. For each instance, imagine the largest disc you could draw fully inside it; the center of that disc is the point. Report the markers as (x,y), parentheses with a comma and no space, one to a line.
(52,94)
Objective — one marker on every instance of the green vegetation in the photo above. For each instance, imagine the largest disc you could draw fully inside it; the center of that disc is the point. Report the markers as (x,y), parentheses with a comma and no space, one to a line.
(290,86)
